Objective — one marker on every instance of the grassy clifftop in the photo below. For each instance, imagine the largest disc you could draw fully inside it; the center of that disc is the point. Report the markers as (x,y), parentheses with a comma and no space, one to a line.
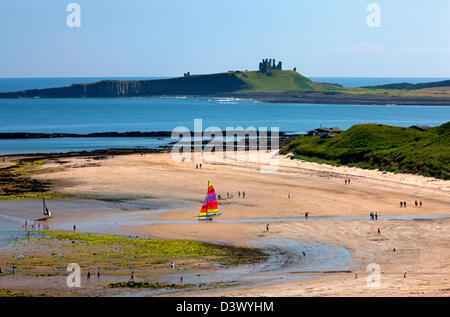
(282,81)
(380,146)
(210,84)
(278,86)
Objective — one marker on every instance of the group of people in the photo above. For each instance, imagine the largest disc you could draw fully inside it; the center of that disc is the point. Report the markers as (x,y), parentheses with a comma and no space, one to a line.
(230,195)
(13,269)
(374,216)
(172,266)
(34,227)
(198,165)
(89,274)
(347,181)
(416,203)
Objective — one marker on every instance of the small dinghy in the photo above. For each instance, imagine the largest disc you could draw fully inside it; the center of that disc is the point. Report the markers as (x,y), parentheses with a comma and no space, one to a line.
(209,208)
(47,213)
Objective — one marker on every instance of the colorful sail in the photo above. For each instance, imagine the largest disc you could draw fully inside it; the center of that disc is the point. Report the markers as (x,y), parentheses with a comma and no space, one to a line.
(209,206)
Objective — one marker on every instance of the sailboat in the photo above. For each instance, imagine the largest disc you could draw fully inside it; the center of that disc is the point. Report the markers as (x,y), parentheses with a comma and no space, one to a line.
(209,208)
(47,213)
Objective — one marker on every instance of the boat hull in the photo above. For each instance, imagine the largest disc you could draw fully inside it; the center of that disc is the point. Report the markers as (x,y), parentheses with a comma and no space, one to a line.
(44,219)
(209,217)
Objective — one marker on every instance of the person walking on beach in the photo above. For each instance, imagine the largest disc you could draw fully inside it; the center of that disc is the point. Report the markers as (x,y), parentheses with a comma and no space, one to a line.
(404,203)
(379,231)
(306,215)
(376,215)
(401,204)
(345,181)
(267,228)
(289,195)
(420,203)
(132,276)
(98,275)
(415,203)
(196,166)
(239,194)
(74,228)
(243,194)
(14,268)
(404,275)
(371,216)
(304,253)
(349,181)
(200,165)
(89,274)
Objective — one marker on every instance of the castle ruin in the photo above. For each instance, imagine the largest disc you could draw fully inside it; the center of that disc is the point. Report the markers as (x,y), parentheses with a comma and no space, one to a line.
(267,65)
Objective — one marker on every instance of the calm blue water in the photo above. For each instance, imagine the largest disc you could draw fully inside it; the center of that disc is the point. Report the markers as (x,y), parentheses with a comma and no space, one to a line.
(89,115)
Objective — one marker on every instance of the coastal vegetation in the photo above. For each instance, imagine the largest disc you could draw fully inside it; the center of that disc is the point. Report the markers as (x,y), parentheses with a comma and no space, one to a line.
(16,181)
(383,147)
(47,253)
(283,81)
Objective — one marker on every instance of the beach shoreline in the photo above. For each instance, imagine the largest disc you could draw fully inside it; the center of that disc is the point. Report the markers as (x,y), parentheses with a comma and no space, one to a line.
(421,244)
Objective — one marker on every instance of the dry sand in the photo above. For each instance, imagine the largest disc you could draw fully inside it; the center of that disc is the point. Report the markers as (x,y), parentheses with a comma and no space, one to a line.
(422,247)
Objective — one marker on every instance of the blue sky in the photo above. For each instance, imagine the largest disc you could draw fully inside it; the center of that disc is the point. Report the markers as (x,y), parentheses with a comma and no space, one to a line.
(170,37)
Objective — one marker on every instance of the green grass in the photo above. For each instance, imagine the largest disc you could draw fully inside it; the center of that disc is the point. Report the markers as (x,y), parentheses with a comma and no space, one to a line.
(282,81)
(103,247)
(149,285)
(384,147)
(16,182)
(9,293)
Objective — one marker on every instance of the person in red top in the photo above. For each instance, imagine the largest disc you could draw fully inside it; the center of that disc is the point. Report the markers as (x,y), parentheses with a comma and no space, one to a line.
(98,274)
(132,276)
(89,274)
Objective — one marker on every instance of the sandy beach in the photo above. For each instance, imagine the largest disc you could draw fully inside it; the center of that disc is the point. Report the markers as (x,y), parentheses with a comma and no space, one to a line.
(338,216)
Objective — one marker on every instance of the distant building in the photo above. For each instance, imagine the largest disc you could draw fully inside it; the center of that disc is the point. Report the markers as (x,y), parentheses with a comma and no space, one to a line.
(420,127)
(325,132)
(267,65)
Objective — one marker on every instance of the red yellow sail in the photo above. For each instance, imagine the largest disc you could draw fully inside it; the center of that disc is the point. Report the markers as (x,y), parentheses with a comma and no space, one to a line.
(209,206)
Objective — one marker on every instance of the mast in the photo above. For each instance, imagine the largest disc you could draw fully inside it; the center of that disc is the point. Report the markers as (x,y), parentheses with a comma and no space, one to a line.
(207,197)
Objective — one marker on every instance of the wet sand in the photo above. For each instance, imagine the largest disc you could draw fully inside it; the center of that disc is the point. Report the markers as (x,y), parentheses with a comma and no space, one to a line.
(422,246)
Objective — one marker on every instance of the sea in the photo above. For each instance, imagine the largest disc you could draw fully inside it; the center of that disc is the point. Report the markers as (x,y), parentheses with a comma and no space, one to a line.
(90,115)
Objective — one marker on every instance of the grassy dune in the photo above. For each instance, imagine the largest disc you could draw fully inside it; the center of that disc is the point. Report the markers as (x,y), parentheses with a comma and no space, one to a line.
(384,147)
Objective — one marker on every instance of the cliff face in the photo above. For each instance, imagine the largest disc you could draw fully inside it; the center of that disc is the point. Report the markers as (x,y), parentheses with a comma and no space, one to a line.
(192,85)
